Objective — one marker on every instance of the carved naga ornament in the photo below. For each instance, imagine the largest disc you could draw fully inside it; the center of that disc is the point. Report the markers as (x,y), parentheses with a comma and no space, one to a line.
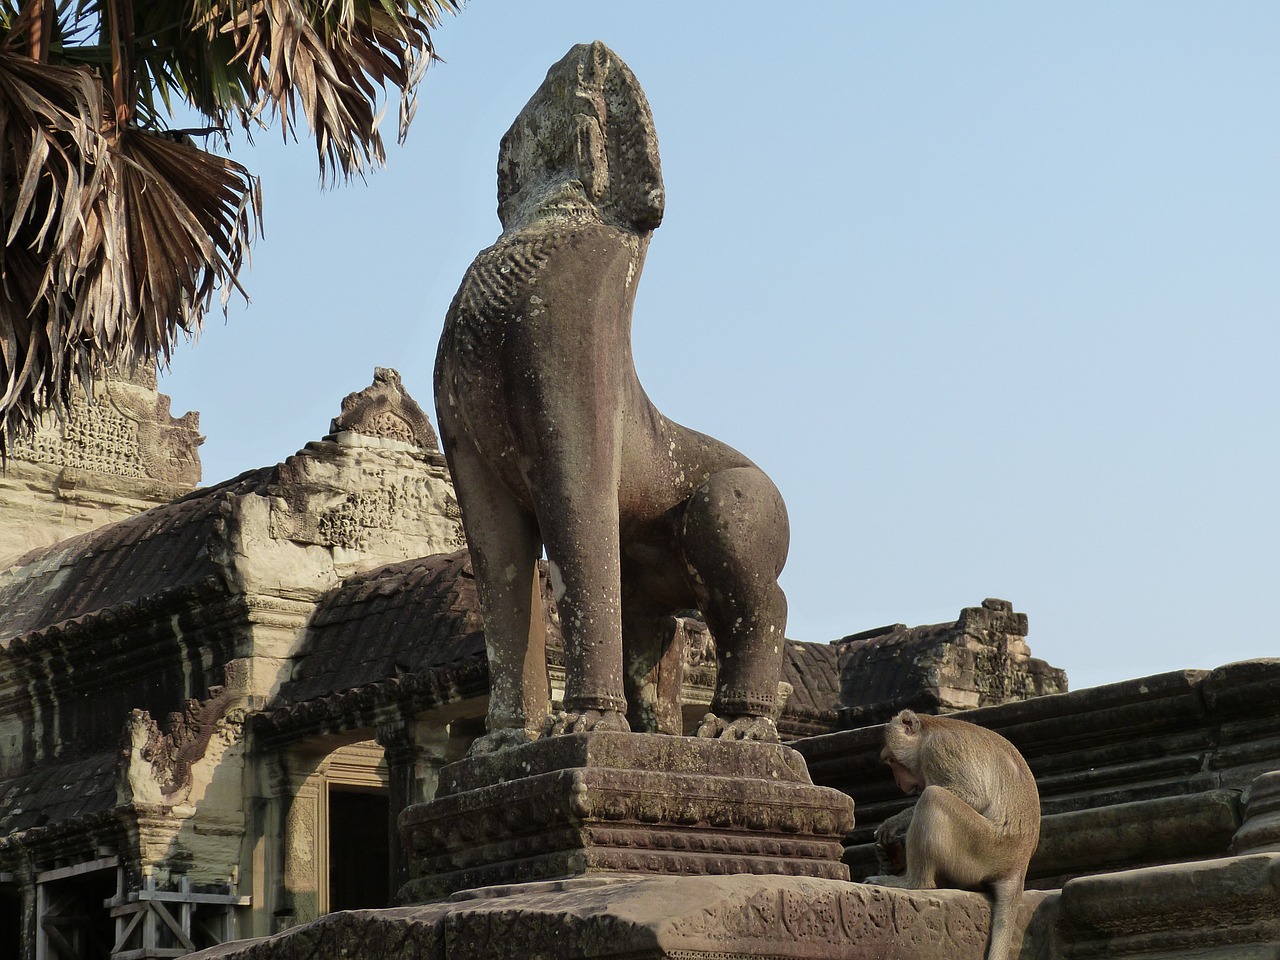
(553,442)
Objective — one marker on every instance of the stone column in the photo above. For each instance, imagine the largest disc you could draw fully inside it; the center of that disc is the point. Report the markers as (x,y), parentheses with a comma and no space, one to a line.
(415,752)
(299,801)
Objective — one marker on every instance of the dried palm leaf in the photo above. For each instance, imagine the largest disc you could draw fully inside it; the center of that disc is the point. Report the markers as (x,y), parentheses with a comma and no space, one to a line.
(48,136)
(48,141)
(115,238)
(332,60)
(162,225)
(179,61)
(168,225)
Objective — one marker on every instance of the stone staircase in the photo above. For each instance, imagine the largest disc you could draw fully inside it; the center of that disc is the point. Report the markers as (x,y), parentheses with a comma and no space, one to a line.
(1160,835)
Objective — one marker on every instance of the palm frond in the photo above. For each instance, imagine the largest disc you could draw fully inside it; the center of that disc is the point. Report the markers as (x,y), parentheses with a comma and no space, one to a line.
(48,141)
(179,58)
(161,226)
(116,238)
(331,61)
(48,135)
(167,226)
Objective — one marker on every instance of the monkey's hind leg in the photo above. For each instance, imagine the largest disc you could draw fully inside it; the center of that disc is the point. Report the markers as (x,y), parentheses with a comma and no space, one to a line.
(950,844)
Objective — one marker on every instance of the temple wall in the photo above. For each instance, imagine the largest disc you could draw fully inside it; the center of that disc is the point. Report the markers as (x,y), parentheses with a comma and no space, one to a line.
(109,458)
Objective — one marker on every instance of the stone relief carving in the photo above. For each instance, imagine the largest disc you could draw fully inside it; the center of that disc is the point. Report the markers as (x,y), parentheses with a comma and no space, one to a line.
(383,409)
(126,431)
(161,760)
(851,914)
(391,502)
(378,472)
(551,439)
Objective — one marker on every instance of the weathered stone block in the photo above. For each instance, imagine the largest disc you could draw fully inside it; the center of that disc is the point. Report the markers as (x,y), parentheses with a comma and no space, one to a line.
(624,803)
(1260,832)
(980,660)
(652,918)
(1172,828)
(1226,908)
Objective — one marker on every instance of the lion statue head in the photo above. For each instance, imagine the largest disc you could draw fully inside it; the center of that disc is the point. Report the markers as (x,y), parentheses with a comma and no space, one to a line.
(583,147)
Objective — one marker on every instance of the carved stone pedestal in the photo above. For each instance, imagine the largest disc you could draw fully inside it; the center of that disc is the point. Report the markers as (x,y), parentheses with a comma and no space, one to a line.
(610,803)
(668,918)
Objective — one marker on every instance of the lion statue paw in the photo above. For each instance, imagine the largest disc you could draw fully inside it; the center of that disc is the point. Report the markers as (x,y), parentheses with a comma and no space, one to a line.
(585,721)
(741,728)
(496,740)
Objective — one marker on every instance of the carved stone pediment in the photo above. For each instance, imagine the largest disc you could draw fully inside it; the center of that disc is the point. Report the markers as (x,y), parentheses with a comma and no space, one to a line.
(385,411)
(104,459)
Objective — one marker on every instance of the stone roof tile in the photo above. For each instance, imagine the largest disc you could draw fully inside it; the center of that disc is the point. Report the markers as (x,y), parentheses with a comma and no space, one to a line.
(810,668)
(408,617)
(160,551)
(418,618)
(54,793)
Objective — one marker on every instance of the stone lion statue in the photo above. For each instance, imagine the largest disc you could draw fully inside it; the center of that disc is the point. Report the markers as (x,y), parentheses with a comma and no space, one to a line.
(553,442)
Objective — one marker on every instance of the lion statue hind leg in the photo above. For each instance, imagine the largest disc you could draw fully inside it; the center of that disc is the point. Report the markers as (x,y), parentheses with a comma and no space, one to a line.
(734,539)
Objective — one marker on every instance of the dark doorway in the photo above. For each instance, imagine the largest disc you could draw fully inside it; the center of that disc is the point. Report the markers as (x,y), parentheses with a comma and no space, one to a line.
(359,858)
(10,920)
(76,924)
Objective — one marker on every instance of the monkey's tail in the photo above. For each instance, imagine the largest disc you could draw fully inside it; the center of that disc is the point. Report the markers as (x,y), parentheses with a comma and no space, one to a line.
(1004,914)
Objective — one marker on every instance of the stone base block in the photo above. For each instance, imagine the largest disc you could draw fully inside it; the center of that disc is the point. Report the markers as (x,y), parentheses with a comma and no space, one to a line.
(1260,832)
(1226,909)
(1137,834)
(608,803)
(668,918)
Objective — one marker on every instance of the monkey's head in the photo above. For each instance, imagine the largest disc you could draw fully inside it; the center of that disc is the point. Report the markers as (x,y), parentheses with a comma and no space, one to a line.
(902,737)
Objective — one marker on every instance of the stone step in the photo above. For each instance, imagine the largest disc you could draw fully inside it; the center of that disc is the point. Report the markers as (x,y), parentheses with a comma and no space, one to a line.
(1226,909)
(668,918)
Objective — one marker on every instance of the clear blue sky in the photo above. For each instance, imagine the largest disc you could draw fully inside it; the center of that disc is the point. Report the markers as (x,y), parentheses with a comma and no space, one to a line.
(990,290)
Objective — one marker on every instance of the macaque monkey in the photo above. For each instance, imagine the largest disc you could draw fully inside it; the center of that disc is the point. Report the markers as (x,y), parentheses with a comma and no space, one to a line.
(977,821)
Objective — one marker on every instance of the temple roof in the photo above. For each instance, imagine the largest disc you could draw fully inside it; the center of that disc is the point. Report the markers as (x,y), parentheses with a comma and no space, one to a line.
(55,793)
(412,632)
(811,670)
(161,551)
(404,618)
(408,633)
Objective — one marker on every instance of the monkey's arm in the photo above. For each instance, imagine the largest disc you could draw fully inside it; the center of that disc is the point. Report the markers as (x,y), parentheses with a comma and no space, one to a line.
(891,842)
(895,826)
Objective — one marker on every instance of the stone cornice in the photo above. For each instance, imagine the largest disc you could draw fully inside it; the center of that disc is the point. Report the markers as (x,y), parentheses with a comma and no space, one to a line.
(68,840)
(363,706)
(123,616)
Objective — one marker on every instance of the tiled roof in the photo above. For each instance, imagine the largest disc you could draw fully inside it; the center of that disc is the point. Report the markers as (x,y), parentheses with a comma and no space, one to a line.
(405,618)
(880,665)
(413,631)
(160,551)
(54,793)
(810,668)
